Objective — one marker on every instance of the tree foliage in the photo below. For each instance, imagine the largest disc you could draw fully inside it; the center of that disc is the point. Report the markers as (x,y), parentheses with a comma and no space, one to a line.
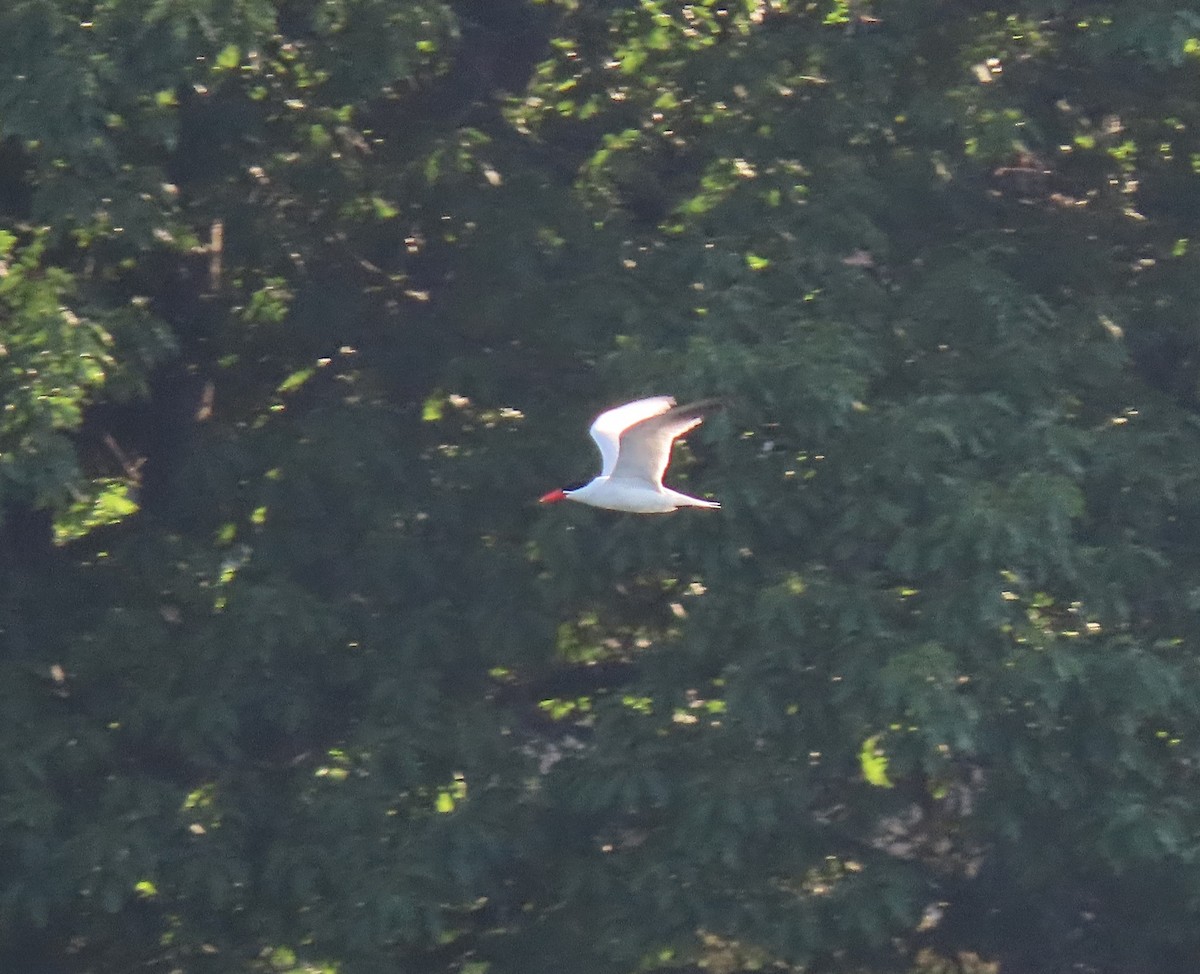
(302,303)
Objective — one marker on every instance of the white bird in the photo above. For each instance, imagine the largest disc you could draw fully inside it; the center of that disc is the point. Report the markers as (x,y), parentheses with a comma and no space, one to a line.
(635,447)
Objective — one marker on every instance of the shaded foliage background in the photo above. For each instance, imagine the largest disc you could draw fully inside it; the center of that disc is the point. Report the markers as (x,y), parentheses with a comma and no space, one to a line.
(301,304)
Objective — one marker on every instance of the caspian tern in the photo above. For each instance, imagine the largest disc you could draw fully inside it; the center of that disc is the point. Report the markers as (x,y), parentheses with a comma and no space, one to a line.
(635,447)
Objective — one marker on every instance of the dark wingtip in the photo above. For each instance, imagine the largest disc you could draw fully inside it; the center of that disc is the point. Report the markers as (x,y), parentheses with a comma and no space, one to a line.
(701,406)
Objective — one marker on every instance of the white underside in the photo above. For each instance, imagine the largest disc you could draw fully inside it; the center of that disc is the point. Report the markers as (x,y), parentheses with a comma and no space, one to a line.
(635,496)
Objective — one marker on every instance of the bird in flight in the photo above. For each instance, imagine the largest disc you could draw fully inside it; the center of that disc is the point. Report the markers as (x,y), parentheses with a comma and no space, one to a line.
(635,443)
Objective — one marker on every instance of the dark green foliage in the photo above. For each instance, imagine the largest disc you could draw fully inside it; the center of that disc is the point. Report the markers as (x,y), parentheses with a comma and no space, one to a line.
(302,304)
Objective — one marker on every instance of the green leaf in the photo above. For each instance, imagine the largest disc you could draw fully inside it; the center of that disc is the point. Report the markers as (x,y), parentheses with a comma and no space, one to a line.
(434,407)
(229,57)
(874,762)
(296,379)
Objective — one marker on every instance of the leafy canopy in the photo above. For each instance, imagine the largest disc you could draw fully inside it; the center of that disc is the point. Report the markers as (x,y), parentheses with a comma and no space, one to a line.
(302,303)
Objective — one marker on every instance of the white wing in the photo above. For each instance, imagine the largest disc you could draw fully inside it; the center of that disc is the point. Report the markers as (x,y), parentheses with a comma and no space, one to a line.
(609,426)
(646,446)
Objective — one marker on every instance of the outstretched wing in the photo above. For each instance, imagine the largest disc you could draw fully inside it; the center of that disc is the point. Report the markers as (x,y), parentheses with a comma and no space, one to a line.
(646,445)
(609,426)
